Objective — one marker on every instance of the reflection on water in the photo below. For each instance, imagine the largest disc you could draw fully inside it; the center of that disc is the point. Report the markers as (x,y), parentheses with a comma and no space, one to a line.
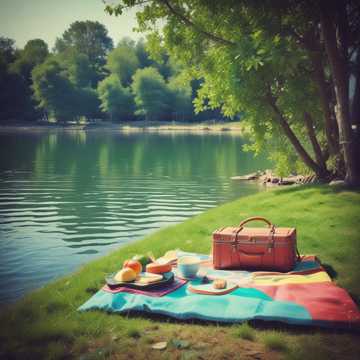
(67,197)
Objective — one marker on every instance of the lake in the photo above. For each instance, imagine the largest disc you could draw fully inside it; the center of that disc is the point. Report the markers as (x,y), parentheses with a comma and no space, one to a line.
(67,197)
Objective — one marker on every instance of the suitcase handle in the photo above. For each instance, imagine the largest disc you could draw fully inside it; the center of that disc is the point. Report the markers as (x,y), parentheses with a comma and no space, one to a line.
(257,218)
(272,231)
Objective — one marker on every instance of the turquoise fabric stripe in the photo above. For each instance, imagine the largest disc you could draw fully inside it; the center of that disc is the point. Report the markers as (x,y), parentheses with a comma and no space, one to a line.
(240,305)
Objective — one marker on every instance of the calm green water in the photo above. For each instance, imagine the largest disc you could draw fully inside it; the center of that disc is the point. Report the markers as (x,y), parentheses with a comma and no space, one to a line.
(68,197)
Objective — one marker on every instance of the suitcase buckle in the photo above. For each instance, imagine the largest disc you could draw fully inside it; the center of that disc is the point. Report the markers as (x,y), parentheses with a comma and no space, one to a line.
(271,242)
(234,246)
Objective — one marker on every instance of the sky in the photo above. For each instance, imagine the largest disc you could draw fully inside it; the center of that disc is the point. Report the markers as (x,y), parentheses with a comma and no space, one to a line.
(23,20)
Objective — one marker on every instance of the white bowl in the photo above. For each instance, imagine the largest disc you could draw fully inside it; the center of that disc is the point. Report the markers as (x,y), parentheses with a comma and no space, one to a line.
(188,266)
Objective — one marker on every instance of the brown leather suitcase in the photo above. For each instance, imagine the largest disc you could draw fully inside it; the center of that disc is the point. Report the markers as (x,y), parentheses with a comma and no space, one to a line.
(271,248)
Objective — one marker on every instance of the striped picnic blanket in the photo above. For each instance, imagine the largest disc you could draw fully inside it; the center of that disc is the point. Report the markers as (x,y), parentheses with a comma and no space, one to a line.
(304,296)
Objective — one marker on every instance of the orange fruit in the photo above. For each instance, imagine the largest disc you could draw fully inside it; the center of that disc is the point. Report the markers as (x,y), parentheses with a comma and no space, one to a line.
(133,264)
(156,268)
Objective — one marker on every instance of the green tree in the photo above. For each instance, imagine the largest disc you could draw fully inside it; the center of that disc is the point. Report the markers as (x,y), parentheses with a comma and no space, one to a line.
(62,97)
(54,91)
(181,105)
(269,61)
(142,54)
(89,38)
(34,53)
(13,95)
(159,59)
(152,96)
(116,100)
(8,51)
(16,101)
(123,62)
(87,103)
(78,68)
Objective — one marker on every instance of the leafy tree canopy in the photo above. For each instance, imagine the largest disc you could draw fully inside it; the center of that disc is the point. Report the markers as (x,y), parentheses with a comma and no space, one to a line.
(116,99)
(284,64)
(7,49)
(78,68)
(35,52)
(87,37)
(123,62)
(152,96)
(181,91)
(14,99)
(87,103)
(142,54)
(53,90)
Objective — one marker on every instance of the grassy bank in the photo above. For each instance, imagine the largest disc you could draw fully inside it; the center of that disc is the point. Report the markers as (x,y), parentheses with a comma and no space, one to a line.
(46,323)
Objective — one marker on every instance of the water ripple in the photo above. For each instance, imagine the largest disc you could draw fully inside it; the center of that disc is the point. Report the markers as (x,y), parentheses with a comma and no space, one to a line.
(63,203)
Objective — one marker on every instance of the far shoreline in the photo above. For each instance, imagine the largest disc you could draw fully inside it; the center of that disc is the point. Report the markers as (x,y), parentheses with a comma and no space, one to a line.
(207,127)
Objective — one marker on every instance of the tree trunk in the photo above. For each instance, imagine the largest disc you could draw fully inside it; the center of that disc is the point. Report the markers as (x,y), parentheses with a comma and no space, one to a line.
(331,127)
(339,74)
(306,158)
(314,142)
(311,43)
(355,110)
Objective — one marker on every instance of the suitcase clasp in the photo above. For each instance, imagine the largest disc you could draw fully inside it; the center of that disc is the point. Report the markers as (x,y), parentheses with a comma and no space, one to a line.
(234,246)
(271,242)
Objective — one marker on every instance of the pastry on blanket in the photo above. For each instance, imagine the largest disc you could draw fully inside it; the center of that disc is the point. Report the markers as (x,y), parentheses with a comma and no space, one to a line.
(148,278)
(219,284)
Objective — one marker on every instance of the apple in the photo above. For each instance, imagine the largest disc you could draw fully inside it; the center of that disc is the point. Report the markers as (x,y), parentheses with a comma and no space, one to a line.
(143,259)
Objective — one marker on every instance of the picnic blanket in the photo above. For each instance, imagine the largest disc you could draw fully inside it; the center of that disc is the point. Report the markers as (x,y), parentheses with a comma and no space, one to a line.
(161,291)
(304,296)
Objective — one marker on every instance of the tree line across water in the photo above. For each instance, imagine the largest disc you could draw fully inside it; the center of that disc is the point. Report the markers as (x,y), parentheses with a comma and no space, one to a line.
(85,77)
(292,68)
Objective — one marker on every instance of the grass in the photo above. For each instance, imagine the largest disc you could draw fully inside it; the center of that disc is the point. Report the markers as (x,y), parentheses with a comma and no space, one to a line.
(46,323)
(245,331)
(274,341)
(133,333)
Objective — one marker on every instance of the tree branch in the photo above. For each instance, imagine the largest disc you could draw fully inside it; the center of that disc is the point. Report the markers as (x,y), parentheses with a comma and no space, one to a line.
(311,44)
(189,22)
(121,8)
(309,123)
(292,137)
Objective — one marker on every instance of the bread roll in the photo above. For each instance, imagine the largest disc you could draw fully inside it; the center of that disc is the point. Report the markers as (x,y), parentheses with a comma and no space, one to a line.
(126,275)
(219,284)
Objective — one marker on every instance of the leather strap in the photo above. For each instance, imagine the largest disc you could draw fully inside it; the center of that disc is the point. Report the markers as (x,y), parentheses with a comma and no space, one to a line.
(272,232)
(260,218)
(298,256)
